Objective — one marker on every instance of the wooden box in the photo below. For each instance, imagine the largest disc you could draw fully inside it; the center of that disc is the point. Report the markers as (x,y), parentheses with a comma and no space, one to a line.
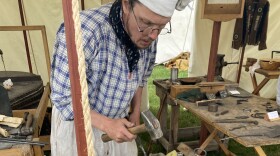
(222,10)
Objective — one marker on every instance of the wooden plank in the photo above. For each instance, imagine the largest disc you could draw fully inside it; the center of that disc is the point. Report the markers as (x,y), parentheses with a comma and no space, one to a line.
(174,118)
(259,151)
(21,28)
(210,138)
(38,151)
(187,132)
(41,111)
(177,89)
(12,152)
(45,138)
(19,113)
(18,150)
(212,89)
(260,86)
(218,140)
(185,149)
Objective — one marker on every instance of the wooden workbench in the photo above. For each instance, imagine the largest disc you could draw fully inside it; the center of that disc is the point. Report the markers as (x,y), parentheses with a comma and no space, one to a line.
(173,133)
(255,103)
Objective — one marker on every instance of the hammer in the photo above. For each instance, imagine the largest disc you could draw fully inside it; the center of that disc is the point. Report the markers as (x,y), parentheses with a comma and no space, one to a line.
(151,125)
(27,129)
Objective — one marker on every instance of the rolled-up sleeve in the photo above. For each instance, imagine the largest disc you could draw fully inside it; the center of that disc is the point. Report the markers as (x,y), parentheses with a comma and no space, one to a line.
(150,64)
(60,82)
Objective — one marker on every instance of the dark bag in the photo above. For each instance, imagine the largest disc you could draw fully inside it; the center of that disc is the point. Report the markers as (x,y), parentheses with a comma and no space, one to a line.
(5,105)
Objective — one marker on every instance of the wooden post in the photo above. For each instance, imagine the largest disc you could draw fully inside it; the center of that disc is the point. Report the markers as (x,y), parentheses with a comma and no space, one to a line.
(25,36)
(213,51)
(74,78)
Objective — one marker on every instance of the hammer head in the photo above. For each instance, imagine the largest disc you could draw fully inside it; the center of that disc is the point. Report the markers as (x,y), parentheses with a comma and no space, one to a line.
(152,124)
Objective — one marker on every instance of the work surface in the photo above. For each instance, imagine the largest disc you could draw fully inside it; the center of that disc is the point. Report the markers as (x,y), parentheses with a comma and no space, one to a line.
(255,103)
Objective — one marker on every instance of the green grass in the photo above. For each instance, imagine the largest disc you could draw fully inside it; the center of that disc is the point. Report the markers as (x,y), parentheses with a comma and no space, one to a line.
(186,119)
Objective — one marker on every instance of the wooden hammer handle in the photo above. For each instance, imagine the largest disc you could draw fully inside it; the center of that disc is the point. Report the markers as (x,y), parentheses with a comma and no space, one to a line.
(133,130)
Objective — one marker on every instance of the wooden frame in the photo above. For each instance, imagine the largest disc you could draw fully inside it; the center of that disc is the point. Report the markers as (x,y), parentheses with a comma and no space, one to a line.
(33,28)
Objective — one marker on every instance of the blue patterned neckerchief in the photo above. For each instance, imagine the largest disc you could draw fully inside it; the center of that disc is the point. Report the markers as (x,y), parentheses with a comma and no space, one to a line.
(131,50)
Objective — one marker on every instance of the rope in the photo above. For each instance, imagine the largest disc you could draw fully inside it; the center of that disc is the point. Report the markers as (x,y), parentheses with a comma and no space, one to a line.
(82,73)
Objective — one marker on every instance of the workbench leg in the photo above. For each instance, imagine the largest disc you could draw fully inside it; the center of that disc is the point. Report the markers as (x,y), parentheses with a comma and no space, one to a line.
(203,133)
(162,114)
(222,145)
(259,151)
(260,86)
(174,118)
(254,81)
(210,138)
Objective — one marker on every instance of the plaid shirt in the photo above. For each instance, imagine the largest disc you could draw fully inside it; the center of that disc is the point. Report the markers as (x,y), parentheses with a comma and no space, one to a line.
(109,89)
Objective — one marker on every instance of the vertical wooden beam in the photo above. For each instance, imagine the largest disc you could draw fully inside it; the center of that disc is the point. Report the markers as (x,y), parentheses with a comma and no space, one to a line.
(25,36)
(213,51)
(211,68)
(74,78)
(83,4)
(240,62)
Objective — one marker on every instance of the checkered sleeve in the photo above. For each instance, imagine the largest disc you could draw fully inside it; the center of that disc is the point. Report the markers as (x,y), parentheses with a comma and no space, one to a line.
(150,63)
(60,82)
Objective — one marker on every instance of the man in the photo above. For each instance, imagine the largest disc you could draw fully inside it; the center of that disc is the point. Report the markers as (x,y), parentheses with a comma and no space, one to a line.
(119,43)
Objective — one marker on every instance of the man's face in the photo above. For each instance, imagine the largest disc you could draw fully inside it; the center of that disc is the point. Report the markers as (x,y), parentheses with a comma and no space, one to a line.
(142,25)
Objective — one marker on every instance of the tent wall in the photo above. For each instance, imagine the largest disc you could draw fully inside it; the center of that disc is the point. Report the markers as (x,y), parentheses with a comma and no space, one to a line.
(202,41)
(37,12)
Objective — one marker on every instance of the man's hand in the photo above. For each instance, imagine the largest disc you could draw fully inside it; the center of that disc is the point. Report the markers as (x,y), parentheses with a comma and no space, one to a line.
(117,130)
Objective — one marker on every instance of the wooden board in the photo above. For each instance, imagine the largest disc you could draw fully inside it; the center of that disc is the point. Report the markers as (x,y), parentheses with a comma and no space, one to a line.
(176,89)
(255,103)
(22,150)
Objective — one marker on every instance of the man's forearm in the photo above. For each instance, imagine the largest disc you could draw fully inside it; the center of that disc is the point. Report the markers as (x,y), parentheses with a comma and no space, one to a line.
(99,121)
(136,100)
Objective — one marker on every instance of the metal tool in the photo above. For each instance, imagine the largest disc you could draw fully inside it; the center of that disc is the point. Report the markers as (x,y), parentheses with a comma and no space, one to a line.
(242,117)
(24,130)
(246,135)
(19,141)
(212,107)
(236,121)
(239,127)
(140,145)
(240,101)
(174,74)
(224,112)
(151,125)
(258,115)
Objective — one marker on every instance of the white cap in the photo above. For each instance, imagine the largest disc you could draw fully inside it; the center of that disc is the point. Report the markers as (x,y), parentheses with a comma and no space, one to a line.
(162,7)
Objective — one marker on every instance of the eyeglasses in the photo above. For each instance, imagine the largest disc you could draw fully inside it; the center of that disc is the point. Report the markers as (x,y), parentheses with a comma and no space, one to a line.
(150,29)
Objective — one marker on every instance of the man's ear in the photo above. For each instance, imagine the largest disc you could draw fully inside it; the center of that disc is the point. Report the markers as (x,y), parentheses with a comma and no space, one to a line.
(125,6)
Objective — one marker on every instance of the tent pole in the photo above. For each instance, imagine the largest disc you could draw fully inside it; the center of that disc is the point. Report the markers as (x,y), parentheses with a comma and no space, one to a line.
(74,79)
(25,36)
(240,64)
(211,69)
(83,4)
(213,51)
